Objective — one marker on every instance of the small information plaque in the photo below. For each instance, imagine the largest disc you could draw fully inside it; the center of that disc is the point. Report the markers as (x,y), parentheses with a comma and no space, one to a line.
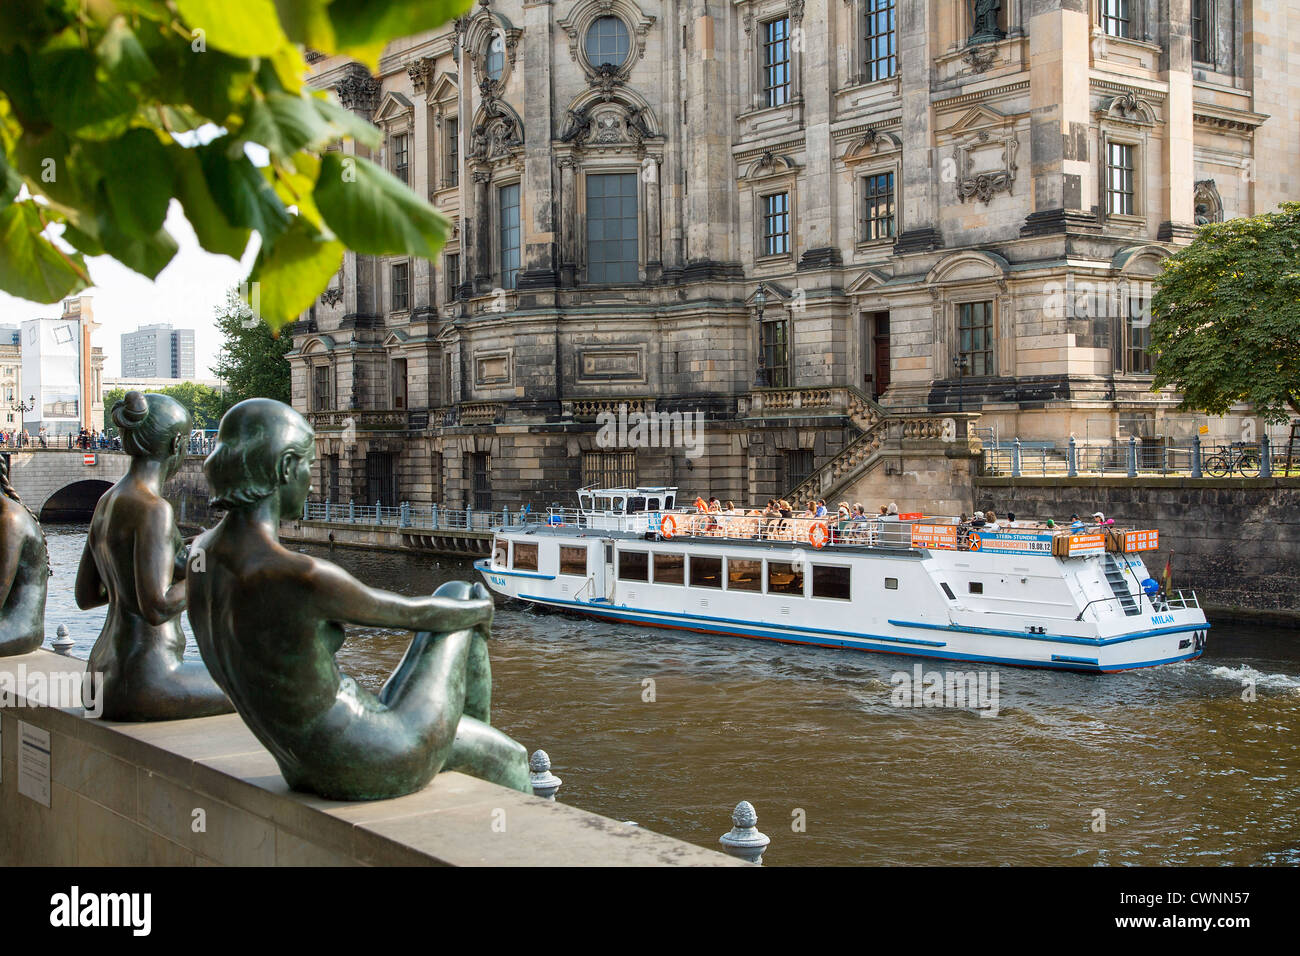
(34,763)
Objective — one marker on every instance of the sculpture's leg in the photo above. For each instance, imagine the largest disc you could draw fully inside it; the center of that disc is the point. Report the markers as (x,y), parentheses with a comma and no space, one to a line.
(427,690)
(478,681)
(487,753)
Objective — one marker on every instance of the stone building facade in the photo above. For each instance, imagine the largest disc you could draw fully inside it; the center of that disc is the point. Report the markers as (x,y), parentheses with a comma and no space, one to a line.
(829,228)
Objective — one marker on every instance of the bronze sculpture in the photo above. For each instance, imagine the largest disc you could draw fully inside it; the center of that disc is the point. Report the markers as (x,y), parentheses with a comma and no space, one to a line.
(135,562)
(24,572)
(269,621)
(984,21)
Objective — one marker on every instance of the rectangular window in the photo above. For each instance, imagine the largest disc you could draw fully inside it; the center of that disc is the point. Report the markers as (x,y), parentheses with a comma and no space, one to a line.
(501,553)
(400,146)
(1119,178)
(670,568)
(609,469)
(452,272)
(381,488)
(878,211)
(452,152)
(1138,358)
(509,200)
(975,337)
(744,574)
(1117,18)
(776,61)
(1203,31)
(784,578)
(634,566)
(706,572)
(401,289)
(525,556)
(321,388)
(831,581)
(776,224)
(797,465)
(332,476)
(612,227)
(776,352)
(882,39)
(573,561)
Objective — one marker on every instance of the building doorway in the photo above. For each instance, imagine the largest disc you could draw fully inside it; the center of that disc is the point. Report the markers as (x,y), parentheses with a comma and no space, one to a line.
(875,353)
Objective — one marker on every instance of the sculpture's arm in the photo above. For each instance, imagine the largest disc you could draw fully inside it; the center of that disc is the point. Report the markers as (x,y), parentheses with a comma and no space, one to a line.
(161,598)
(343,598)
(10,555)
(89,590)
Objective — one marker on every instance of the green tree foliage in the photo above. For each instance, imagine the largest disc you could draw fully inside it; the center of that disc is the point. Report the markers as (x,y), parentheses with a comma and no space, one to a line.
(252,361)
(205,404)
(99,104)
(1226,317)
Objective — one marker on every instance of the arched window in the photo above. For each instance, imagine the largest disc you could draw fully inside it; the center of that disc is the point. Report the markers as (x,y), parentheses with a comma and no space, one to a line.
(495,56)
(607,42)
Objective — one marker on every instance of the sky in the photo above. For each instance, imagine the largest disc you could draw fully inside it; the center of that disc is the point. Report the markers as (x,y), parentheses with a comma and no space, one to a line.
(186,293)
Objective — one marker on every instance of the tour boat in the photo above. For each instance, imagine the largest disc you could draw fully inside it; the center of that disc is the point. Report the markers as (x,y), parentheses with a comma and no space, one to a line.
(1027,594)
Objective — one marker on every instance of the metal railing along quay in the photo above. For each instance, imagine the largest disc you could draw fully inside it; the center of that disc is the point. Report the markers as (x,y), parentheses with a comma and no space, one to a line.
(1131,458)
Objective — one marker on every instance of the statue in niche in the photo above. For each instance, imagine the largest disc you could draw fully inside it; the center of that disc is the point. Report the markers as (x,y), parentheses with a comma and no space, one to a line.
(269,621)
(24,572)
(984,22)
(135,562)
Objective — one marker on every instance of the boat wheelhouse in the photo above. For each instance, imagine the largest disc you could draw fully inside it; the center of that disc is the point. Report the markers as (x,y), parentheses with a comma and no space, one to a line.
(1028,594)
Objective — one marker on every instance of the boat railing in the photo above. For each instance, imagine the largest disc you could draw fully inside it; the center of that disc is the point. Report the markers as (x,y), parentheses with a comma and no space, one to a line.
(1178,600)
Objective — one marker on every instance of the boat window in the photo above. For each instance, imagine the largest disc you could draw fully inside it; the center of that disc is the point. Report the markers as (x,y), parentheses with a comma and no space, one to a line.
(501,553)
(891,584)
(976,587)
(946,590)
(783,578)
(668,503)
(609,553)
(525,556)
(584,501)
(634,566)
(831,581)
(744,574)
(636,505)
(573,560)
(602,503)
(652,504)
(706,572)
(670,568)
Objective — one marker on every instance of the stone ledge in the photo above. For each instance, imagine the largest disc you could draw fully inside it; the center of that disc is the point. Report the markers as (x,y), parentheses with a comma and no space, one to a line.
(127,793)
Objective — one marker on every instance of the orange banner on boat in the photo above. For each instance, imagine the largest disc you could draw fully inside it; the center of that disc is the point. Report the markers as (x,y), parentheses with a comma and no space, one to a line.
(911,516)
(1085,544)
(934,536)
(1141,541)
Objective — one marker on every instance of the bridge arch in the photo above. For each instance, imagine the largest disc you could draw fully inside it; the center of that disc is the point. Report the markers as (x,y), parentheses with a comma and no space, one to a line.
(74,502)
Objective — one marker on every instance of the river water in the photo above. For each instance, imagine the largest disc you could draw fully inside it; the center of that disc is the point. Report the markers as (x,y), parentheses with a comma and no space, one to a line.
(1171,765)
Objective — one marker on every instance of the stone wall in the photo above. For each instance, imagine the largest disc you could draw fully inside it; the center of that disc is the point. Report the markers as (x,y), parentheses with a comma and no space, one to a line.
(205,792)
(1236,542)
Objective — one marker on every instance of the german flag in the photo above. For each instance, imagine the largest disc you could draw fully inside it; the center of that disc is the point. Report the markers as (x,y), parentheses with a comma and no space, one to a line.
(1167,578)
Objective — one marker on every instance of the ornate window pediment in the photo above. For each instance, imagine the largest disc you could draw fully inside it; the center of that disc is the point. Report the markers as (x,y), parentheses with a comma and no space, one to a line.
(393,107)
(872,144)
(770,164)
(623,121)
(578,21)
(1128,107)
(984,144)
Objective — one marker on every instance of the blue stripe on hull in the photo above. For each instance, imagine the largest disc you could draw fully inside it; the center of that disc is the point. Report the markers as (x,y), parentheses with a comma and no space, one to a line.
(700,626)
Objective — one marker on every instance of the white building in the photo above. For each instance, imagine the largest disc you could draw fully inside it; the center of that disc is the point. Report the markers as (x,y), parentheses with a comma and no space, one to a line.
(63,371)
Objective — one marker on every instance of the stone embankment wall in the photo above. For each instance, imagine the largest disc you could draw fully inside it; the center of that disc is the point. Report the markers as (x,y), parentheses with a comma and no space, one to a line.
(1235,541)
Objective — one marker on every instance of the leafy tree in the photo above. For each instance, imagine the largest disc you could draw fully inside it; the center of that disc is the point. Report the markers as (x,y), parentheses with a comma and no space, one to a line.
(103,104)
(252,360)
(205,404)
(1226,317)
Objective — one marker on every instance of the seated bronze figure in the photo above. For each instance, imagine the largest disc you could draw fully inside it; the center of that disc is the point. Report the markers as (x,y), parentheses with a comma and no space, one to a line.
(269,621)
(24,572)
(135,562)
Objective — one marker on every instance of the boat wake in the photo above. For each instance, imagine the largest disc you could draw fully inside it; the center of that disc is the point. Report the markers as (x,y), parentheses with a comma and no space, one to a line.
(1268,681)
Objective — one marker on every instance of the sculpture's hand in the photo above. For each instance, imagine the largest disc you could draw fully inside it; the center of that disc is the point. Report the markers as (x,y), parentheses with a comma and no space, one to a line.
(481,593)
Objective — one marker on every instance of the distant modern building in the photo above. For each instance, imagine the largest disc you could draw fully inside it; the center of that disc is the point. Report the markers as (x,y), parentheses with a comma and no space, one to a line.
(158,351)
(127,384)
(11,378)
(63,371)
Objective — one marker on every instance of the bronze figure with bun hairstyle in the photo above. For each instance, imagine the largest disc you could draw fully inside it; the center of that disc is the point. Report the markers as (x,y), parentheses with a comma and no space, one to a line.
(269,621)
(135,562)
(24,572)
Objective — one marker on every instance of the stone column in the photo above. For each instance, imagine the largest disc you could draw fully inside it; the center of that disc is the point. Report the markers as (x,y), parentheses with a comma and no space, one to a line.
(480,214)
(920,216)
(1177,193)
(538,268)
(816,211)
(651,172)
(568,219)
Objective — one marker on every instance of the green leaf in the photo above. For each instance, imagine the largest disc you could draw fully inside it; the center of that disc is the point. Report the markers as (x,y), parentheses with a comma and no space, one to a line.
(241,192)
(362,28)
(74,97)
(374,213)
(214,230)
(147,256)
(30,267)
(347,122)
(137,180)
(293,271)
(122,57)
(285,124)
(307,22)
(10,182)
(241,27)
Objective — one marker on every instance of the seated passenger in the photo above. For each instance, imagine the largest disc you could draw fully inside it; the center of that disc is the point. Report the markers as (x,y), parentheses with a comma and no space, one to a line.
(991,520)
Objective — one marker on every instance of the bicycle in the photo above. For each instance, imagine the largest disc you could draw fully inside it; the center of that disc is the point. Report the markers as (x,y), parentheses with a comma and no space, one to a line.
(1237,457)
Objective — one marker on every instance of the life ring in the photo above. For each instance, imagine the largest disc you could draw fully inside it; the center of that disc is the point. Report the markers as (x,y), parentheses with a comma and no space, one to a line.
(818,534)
(668,527)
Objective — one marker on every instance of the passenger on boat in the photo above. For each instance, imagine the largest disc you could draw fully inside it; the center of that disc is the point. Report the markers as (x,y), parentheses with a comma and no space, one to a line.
(1102,520)
(730,509)
(891,512)
(715,506)
(991,520)
(978,521)
(821,508)
(784,508)
(1076,524)
(701,505)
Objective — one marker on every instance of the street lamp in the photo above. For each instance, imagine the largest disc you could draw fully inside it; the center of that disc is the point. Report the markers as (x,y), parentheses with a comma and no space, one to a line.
(760,372)
(959,363)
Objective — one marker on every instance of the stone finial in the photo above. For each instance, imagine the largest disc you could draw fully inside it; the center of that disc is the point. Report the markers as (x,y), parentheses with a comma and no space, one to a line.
(62,639)
(744,841)
(545,784)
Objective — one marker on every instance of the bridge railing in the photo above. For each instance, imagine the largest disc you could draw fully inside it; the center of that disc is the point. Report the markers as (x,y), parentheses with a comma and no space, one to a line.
(405,516)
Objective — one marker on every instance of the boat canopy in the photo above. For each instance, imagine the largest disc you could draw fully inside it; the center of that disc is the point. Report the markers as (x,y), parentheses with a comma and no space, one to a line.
(620,501)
